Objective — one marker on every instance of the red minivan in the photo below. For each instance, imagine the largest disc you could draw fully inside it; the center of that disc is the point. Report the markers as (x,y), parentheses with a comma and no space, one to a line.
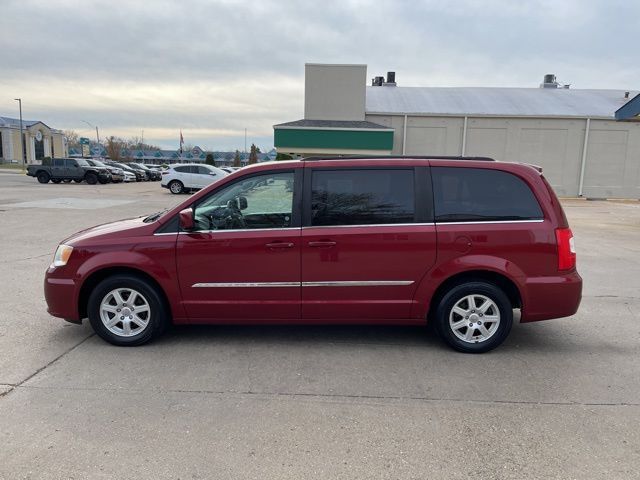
(461,242)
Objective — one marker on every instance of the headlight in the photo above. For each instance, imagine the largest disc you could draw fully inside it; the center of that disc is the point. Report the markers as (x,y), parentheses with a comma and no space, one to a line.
(62,255)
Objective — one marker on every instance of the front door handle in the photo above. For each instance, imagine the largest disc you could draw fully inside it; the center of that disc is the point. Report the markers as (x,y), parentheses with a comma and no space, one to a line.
(322,244)
(279,245)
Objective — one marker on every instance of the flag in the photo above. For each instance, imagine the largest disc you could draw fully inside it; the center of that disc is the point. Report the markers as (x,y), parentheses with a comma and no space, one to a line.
(181,140)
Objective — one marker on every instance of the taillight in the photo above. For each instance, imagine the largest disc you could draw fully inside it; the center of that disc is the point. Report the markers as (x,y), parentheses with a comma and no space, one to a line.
(566,249)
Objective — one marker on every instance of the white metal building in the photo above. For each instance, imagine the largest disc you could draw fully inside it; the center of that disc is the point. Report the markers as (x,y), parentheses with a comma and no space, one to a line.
(572,133)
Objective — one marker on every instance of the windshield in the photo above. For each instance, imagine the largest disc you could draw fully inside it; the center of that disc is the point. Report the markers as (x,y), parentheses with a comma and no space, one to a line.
(82,162)
(98,163)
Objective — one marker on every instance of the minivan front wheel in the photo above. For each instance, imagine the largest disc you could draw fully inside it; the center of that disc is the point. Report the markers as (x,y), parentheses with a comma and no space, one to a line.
(474,317)
(126,310)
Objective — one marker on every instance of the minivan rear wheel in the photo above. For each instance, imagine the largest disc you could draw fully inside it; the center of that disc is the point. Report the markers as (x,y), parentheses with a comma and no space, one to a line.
(176,187)
(474,317)
(126,310)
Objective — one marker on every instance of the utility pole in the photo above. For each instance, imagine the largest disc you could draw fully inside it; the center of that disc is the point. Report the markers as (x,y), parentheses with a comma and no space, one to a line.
(96,127)
(22,148)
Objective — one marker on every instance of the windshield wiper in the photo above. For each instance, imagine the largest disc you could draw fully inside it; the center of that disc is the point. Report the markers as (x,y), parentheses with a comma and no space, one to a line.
(154,216)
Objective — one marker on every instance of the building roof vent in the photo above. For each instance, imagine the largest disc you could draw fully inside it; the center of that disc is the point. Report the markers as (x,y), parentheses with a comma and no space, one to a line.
(391,79)
(549,81)
(377,81)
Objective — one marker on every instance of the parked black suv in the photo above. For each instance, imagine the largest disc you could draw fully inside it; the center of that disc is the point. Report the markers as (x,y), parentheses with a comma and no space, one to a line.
(140,175)
(153,175)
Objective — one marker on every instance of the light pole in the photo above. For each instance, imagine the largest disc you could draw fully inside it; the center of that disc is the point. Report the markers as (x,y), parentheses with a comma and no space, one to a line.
(96,127)
(22,149)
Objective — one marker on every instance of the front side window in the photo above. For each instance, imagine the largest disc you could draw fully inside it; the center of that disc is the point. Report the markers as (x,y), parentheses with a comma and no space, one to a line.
(479,194)
(362,197)
(260,201)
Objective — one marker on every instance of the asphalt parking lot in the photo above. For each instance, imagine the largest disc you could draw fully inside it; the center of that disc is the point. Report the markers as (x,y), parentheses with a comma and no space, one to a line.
(560,399)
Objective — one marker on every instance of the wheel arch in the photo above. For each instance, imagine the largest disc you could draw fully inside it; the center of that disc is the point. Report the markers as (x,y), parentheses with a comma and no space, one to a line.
(500,280)
(99,275)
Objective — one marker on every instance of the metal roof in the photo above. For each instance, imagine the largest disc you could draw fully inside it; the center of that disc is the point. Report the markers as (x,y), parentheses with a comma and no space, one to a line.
(15,122)
(333,124)
(503,102)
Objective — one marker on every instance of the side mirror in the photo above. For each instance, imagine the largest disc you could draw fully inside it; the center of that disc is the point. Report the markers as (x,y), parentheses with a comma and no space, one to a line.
(186,219)
(242,203)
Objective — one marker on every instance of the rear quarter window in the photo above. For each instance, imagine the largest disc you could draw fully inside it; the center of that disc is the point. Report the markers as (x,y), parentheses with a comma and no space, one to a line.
(479,194)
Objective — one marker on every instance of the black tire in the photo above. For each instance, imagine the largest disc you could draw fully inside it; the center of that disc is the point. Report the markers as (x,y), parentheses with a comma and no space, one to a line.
(43,177)
(103,180)
(56,180)
(158,317)
(78,180)
(475,344)
(176,187)
(91,178)
(67,180)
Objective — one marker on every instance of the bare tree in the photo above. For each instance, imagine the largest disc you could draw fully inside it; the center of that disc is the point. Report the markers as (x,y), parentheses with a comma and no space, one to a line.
(236,159)
(253,156)
(114,146)
(71,138)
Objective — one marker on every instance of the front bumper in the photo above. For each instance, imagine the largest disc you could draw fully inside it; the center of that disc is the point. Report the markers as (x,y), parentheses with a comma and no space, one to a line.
(545,298)
(60,295)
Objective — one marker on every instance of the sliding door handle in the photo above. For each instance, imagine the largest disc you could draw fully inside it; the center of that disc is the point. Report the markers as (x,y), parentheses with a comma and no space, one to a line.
(322,244)
(279,245)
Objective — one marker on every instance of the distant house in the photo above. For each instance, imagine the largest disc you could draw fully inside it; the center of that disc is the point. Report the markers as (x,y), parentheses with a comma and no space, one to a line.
(40,141)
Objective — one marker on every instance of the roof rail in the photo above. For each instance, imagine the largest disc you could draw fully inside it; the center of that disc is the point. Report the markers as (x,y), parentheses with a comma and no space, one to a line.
(392,157)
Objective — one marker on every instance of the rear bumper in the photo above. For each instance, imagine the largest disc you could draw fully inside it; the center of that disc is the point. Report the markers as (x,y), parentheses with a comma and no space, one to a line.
(60,295)
(551,297)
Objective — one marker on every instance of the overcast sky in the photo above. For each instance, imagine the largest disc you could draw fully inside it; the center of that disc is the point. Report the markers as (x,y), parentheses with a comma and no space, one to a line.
(214,68)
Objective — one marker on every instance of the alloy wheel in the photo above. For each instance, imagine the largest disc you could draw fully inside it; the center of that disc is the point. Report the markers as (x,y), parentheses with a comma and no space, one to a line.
(125,312)
(474,318)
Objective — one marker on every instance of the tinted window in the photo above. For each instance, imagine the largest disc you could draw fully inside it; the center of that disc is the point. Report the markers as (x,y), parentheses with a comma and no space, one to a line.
(476,194)
(261,201)
(362,197)
(58,162)
(182,169)
(71,163)
(205,171)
